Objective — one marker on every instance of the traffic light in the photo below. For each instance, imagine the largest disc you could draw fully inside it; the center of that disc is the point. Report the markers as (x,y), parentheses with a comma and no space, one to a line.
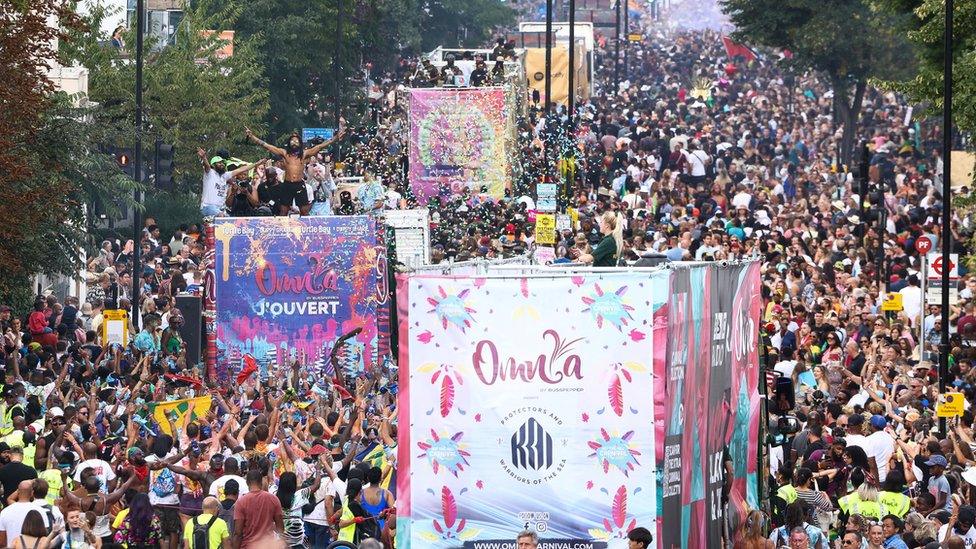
(124,160)
(164,165)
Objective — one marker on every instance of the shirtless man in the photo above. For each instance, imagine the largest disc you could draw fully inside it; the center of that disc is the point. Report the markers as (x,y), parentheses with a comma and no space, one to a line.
(294,156)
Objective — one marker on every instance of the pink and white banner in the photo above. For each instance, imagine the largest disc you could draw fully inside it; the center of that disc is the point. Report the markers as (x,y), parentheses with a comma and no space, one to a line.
(526,401)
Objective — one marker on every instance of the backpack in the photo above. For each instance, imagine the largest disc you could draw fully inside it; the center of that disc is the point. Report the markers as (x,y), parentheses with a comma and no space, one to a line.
(49,511)
(201,533)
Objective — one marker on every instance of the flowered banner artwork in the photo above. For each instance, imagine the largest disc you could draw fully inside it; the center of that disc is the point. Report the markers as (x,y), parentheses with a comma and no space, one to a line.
(517,408)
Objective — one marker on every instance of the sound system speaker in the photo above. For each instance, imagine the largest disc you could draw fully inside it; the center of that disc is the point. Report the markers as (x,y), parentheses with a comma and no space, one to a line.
(192,329)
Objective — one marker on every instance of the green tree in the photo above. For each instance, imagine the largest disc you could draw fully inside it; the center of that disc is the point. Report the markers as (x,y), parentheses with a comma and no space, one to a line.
(467,23)
(50,169)
(848,41)
(192,96)
(297,40)
(924,23)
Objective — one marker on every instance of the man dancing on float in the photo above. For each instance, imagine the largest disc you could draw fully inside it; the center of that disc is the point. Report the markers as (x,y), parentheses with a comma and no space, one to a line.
(294,156)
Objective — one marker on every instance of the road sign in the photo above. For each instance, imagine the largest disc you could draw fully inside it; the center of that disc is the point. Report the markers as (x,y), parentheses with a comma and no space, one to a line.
(635,37)
(935,263)
(115,326)
(545,228)
(546,197)
(950,405)
(933,295)
(311,133)
(892,302)
(923,245)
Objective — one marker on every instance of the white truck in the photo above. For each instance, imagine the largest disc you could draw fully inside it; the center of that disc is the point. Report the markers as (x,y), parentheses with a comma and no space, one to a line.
(584,36)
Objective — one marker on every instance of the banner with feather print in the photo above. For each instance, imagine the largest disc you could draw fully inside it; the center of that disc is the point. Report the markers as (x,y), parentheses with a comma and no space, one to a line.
(525,400)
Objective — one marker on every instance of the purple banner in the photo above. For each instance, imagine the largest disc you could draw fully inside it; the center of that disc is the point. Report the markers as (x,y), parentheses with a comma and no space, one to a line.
(287,288)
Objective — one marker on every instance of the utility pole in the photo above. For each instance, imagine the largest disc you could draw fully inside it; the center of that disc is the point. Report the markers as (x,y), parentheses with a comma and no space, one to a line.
(547,147)
(336,64)
(571,101)
(548,98)
(137,157)
(616,52)
(627,38)
(946,238)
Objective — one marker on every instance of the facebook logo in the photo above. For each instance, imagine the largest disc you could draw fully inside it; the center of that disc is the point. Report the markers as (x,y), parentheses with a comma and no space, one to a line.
(531,446)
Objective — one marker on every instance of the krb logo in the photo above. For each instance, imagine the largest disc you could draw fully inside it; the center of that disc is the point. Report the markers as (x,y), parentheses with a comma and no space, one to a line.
(532,454)
(531,446)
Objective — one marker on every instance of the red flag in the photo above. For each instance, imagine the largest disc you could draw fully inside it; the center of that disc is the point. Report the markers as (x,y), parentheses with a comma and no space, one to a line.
(188,379)
(343,393)
(250,366)
(733,49)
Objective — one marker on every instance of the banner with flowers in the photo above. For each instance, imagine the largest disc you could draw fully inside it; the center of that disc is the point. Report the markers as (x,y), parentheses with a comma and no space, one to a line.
(458,140)
(525,401)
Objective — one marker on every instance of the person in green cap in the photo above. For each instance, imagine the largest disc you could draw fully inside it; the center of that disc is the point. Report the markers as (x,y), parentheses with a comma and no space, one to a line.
(215,178)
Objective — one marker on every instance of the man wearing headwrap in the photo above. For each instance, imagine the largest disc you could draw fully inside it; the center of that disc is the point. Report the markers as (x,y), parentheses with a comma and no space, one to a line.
(295,156)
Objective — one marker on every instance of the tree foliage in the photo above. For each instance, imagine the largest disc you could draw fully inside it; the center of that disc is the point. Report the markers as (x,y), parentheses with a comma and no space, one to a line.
(925,25)
(467,23)
(192,96)
(297,42)
(849,41)
(50,169)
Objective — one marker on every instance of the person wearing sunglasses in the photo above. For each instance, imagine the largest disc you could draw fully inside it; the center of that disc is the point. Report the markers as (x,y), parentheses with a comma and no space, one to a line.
(851,540)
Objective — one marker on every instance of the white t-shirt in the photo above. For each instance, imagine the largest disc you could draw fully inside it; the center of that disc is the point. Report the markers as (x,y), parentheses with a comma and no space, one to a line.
(163,483)
(880,446)
(785,367)
(102,470)
(326,489)
(217,487)
(857,440)
(214,188)
(12,517)
(696,160)
(742,200)
(969,539)
(55,512)
(393,200)
(912,302)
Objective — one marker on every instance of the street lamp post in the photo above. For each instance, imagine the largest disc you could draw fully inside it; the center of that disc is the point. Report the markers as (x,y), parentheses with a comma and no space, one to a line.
(627,38)
(546,146)
(548,98)
(616,52)
(137,158)
(946,239)
(571,100)
(336,65)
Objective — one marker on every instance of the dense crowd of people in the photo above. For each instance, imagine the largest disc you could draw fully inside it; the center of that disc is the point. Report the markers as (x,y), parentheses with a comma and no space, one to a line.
(695,157)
